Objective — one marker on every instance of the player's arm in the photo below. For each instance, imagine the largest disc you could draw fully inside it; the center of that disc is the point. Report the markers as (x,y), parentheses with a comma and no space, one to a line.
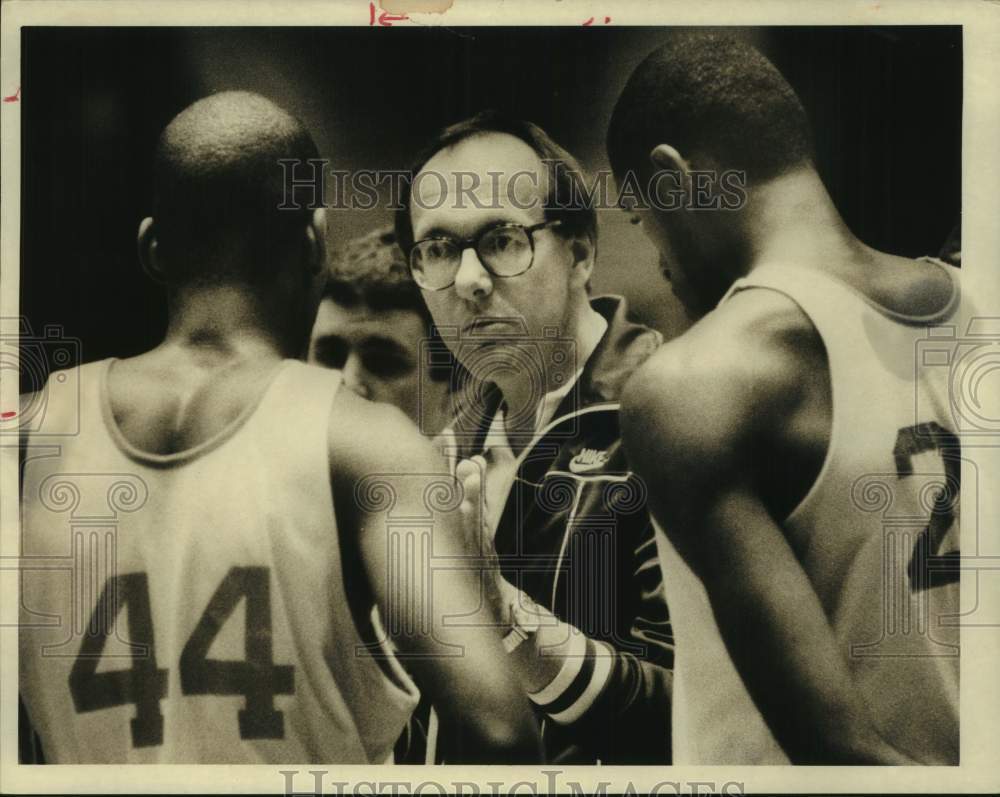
(693,420)
(463,667)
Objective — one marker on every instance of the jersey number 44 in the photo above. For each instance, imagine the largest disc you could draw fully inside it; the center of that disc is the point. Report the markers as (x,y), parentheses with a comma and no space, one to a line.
(144,684)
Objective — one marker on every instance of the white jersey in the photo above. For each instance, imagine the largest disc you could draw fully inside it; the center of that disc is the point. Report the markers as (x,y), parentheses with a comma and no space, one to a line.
(192,608)
(877,534)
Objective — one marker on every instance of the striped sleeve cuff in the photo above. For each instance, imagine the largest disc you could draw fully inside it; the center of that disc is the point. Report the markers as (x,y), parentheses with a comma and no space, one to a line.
(585,671)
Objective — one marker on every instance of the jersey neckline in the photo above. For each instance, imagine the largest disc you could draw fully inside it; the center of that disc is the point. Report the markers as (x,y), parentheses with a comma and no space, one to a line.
(940,315)
(188,454)
(946,310)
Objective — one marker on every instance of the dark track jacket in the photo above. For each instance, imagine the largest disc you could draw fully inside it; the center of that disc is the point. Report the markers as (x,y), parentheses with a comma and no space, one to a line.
(576,536)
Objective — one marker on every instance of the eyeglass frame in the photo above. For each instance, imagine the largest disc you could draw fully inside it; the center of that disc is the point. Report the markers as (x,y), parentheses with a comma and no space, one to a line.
(473,243)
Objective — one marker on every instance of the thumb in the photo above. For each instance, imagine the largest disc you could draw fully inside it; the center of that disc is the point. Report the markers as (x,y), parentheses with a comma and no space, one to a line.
(470,472)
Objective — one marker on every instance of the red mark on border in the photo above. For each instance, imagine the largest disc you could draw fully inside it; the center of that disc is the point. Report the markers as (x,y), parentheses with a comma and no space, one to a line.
(6,416)
(385,19)
(590,22)
(14,97)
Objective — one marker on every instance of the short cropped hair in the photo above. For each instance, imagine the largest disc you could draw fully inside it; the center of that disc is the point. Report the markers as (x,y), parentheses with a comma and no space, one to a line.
(567,199)
(710,94)
(218,185)
(371,271)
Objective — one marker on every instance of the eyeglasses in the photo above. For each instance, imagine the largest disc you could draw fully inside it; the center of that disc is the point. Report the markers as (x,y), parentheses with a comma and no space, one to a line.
(505,250)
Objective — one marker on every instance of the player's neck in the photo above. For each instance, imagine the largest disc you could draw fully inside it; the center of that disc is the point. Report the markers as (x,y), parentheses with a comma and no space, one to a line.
(792,220)
(230,321)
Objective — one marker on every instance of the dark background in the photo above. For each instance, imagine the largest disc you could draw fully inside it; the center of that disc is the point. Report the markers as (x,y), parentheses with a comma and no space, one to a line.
(885,104)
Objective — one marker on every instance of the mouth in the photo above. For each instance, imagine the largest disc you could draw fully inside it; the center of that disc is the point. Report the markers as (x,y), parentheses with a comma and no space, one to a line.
(491,326)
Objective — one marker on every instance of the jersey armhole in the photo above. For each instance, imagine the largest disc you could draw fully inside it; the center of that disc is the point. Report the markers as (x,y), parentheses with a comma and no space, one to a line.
(359,594)
(834,427)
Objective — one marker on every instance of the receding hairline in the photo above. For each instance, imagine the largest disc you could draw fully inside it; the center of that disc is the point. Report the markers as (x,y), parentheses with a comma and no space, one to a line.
(538,166)
(479,137)
(577,218)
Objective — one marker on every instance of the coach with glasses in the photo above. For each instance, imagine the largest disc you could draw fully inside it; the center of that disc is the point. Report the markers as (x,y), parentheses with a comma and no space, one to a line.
(502,241)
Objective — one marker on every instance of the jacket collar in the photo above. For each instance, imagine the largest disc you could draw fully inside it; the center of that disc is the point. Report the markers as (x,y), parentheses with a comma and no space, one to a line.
(622,349)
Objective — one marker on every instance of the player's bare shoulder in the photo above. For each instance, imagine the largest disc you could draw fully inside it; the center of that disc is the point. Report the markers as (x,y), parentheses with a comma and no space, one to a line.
(366,438)
(734,372)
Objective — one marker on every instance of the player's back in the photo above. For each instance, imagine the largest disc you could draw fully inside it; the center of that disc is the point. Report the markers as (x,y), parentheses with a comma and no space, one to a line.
(191,606)
(877,534)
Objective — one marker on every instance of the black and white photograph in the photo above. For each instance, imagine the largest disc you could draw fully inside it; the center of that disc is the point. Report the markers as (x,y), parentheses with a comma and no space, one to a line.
(516,403)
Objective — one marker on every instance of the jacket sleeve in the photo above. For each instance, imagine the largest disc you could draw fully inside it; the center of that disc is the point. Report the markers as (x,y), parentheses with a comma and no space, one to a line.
(612,700)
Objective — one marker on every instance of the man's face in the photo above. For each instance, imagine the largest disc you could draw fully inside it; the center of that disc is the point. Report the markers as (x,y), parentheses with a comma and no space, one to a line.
(697,273)
(481,306)
(379,353)
(673,266)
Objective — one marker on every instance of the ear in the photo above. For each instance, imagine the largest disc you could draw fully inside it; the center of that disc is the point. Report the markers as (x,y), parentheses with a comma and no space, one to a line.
(665,158)
(316,241)
(146,245)
(584,254)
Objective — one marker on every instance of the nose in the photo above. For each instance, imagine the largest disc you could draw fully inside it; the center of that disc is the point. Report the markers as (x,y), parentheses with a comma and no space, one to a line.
(354,377)
(472,281)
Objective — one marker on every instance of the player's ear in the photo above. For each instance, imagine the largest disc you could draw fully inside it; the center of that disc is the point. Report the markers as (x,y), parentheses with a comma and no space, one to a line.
(665,158)
(584,253)
(146,244)
(316,241)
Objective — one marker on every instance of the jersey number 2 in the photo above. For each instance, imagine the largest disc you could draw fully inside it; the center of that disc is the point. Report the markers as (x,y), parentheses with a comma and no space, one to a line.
(928,557)
(257,678)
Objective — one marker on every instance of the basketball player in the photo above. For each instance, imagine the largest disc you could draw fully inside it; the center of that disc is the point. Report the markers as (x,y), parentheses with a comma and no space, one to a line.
(758,430)
(221,613)
(373,325)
